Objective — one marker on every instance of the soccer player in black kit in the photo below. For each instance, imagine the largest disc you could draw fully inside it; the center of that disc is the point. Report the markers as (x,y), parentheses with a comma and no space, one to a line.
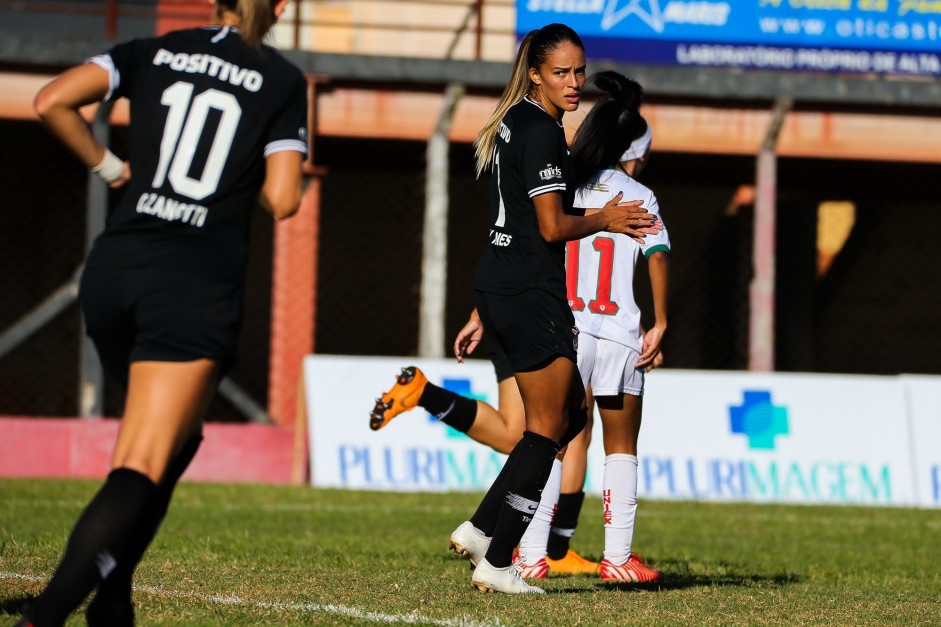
(218,125)
(520,287)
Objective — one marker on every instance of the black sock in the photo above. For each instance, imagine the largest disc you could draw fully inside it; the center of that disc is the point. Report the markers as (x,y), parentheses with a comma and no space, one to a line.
(485,518)
(524,484)
(564,523)
(97,543)
(454,410)
(116,588)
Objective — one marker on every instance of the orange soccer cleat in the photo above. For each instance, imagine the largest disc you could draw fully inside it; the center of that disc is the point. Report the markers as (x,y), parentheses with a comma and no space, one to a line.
(634,569)
(573,564)
(403,396)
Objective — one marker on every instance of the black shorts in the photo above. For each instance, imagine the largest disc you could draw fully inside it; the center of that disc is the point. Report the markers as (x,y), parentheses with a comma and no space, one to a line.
(501,362)
(527,330)
(159,315)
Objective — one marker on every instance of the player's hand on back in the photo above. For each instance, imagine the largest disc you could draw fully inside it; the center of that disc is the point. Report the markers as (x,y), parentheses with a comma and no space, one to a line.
(630,218)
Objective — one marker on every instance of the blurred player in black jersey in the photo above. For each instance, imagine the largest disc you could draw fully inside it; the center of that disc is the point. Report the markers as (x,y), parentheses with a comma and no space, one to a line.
(520,287)
(218,124)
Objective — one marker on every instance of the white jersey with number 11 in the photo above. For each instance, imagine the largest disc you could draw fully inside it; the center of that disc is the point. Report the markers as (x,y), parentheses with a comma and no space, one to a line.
(600,268)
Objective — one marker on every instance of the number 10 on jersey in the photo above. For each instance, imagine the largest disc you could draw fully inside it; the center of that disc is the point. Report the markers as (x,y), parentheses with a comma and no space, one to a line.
(182,133)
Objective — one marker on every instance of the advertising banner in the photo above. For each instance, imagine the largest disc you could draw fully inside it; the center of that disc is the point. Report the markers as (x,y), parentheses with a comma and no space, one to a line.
(415,452)
(924,397)
(712,436)
(883,36)
(775,438)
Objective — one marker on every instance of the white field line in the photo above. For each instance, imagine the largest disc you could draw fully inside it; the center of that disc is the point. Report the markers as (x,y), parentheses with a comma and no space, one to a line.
(308,608)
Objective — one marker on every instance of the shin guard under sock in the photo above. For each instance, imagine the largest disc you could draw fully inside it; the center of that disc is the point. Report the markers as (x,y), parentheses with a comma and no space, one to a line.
(564,523)
(454,410)
(534,456)
(97,543)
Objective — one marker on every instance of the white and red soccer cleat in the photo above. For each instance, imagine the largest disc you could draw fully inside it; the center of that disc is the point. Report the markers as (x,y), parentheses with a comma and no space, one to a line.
(537,570)
(634,569)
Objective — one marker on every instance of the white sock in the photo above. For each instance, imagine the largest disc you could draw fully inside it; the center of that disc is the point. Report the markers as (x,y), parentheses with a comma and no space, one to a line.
(534,541)
(619,500)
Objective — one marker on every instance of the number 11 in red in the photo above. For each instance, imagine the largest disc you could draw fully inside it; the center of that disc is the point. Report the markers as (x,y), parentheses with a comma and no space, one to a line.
(602,303)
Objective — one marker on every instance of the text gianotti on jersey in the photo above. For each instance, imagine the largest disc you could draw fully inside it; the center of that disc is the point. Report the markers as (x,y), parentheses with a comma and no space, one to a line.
(171,210)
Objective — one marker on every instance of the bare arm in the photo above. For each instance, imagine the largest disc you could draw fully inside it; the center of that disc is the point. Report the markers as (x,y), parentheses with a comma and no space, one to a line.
(58,104)
(658,265)
(281,191)
(616,217)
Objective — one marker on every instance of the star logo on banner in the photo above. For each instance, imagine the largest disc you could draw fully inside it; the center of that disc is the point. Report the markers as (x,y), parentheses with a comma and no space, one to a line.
(651,15)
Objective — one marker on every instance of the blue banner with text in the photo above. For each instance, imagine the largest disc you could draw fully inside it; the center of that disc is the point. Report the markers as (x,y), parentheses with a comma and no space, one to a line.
(880,36)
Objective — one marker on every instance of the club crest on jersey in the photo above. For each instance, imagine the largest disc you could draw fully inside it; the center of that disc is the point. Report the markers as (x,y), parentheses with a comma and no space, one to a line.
(550,172)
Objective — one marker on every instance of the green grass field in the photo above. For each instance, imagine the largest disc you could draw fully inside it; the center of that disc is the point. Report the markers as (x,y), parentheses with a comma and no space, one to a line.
(245,555)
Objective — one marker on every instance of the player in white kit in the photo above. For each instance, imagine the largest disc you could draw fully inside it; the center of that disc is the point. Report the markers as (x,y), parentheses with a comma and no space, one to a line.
(613,350)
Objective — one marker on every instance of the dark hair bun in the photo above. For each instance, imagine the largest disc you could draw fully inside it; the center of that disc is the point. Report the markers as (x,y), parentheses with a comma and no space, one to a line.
(623,90)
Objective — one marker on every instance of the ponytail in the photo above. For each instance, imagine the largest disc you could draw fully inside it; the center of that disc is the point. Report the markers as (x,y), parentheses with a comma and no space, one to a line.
(516,88)
(610,127)
(534,50)
(255,18)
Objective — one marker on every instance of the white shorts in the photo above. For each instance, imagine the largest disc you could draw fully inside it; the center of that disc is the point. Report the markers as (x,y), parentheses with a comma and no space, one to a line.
(608,367)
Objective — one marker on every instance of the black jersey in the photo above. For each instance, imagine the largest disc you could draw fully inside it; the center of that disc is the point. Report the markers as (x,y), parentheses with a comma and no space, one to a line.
(206,109)
(530,158)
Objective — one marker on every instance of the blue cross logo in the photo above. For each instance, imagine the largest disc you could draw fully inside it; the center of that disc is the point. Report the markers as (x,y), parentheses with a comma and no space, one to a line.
(758,419)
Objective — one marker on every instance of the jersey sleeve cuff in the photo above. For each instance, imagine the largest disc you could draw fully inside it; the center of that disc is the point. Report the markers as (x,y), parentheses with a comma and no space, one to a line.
(555,187)
(282,145)
(657,249)
(105,62)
